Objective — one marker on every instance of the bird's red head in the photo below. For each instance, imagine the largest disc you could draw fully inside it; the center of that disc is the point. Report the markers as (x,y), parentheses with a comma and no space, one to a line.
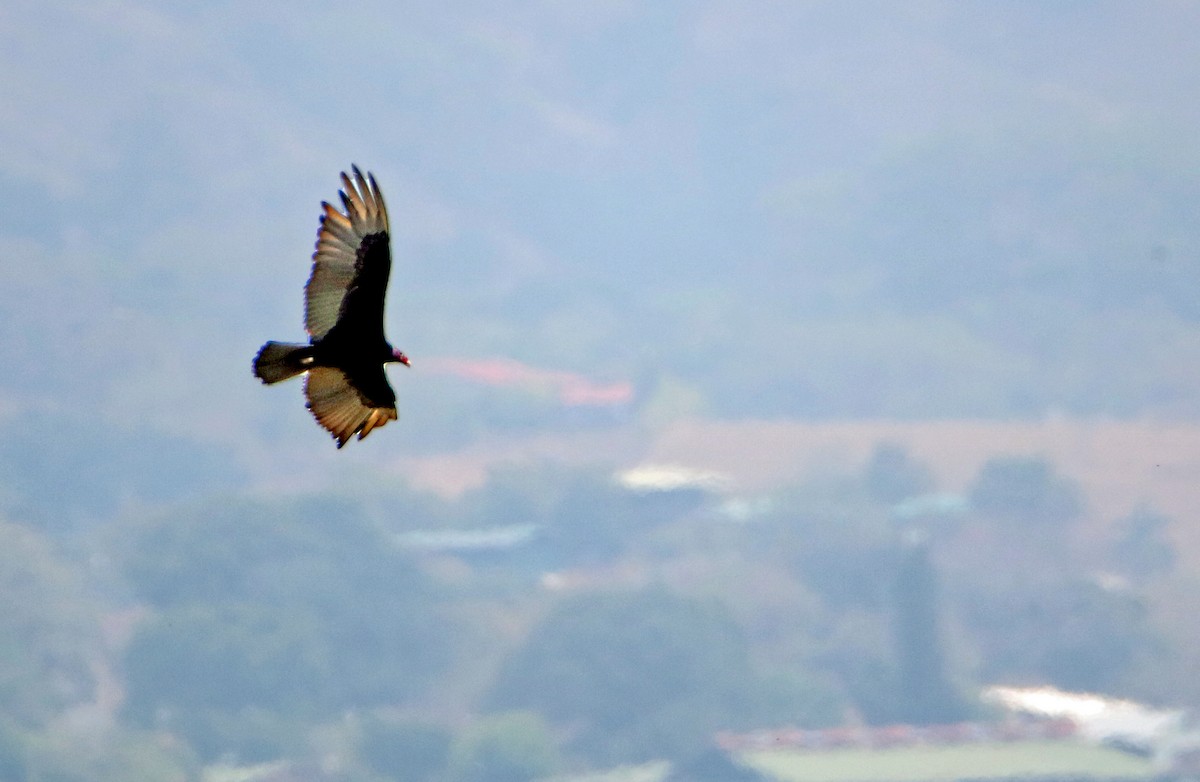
(398,355)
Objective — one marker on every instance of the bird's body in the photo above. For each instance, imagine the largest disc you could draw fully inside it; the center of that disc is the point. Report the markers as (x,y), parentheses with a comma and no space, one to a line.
(347,390)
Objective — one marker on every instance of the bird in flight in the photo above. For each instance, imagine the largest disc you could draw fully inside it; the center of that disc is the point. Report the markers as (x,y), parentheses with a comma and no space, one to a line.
(345,385)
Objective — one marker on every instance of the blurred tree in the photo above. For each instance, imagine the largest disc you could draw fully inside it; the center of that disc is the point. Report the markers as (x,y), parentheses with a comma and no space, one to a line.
(1143,549)
(711,765)
(405,750)
(925,694)
(1075,633)
(892,475)
(13,752)
(304,608)
(839,551)
(509,747)
(855,652)
(637,676)
(204,657)
(841,544)
(86,751)
(252,734)
(1026,490)
(49,628)
(1100,633)
(799,696)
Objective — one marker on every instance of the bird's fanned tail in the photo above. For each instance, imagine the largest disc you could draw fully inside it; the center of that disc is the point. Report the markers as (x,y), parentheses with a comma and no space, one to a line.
(278,361)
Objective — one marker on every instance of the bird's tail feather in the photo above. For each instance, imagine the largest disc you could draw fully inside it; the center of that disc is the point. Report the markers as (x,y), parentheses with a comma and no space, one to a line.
(280,360)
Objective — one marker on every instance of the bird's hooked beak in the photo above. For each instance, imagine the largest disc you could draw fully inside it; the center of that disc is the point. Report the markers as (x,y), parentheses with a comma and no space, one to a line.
(399,356)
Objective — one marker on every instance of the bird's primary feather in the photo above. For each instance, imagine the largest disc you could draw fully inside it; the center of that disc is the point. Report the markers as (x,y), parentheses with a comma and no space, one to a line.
(338,258)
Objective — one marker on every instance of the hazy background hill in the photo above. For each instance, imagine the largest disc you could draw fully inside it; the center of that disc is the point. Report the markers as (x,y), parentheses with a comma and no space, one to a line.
(707,232)
(808,209)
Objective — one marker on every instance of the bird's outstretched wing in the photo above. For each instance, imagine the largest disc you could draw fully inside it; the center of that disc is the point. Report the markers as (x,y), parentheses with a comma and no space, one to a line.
(347,405)
(352,261)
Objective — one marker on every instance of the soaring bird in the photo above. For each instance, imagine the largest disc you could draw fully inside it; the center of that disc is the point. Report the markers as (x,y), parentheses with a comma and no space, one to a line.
(347,390)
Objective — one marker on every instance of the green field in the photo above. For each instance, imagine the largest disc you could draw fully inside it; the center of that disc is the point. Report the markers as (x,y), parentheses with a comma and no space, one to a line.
(647,772)
(932,764)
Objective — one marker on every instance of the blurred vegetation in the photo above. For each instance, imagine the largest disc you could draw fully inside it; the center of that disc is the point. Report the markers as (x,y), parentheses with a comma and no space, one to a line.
(636,674)
(624,626)
(272,617)
(509,747)
(925,695)
(404,750)
(1053,761)
(50,628)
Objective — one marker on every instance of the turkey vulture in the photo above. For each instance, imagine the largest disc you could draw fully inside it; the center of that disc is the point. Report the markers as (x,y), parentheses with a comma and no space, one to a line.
(347,390)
